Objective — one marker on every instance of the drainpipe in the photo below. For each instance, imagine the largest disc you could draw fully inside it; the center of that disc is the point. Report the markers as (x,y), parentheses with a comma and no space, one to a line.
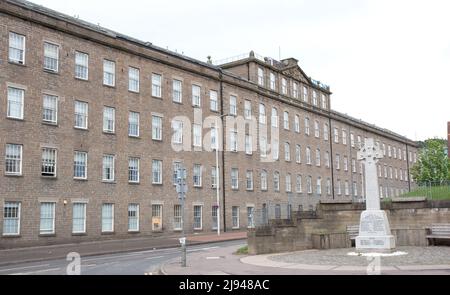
(223,155)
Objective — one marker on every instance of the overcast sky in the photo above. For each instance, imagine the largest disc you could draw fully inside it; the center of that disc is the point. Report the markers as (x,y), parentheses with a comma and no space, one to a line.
(387,62)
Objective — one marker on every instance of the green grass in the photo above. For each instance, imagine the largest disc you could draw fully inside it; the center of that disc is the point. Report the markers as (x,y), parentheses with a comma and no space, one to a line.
(242,251)
(433,193)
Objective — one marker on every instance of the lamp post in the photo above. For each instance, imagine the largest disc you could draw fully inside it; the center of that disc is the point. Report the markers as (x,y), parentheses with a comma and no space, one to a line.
(218,170)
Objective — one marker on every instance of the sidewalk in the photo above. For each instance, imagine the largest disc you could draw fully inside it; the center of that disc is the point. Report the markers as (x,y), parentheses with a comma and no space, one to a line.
(43,253)
(223,261)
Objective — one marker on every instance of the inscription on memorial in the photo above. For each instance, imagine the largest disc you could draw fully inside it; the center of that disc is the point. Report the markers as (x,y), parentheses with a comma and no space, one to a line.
(373,224)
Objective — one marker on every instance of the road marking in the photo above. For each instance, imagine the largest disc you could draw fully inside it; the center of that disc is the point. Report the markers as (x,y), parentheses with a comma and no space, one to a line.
(112,257)
(156,257)
(24,267)
(210,248)
(35,272)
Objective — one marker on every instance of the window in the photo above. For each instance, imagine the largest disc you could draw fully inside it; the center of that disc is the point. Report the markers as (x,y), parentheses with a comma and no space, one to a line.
(81,115)
(326,132)
(336,135)
(235,216)
(16,48)
(233,105)
(177,91)
(308,156)
(399,153)
(177,217)
(394,152)
(234,178)
(176,166)
(51,57)
(324,101)
(262,114)
(298,154)
(13,159)
(319,186)
(133,217)
(288,183)
(359,141)
(81,66)
(276,181)
(327,159)
(109,119)
(391,174)
(315,98)
(287,152)
(318,159)
(329,187)
(385,172)
(295,90)
(286,120)
(80,165)
(379,170)
(108,168)
(50,109)
(354,166)
(156,128)
(156,85)
(15,103)
(275,150)
(133,170)
(248,144)
(248,110)
(389,151)
(109,73)
(338,162)
(307,128)
(157,211)
(347,188)
(177,127)
(264,180)
(297,123)
(344,137)
(249,180)
(272,81)
(133,124)
(284,89)
(196,98)
(352,140)
(401,174)
(79,218)
(250,217)
(107,218)
(214,211)
(309,184)
(316,129)
(263,146)
(47,221)
(197,133)
(48,162)
(261,76)
(298,186)
(305,94)
(133,79)
(213,96)
(198,217)
(197,175)
(274,118)
(214,141)
(214,177)
(339,188)
(157,172)
(11,218)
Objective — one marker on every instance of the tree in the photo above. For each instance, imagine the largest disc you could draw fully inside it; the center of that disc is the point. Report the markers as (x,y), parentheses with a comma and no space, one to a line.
(433,163)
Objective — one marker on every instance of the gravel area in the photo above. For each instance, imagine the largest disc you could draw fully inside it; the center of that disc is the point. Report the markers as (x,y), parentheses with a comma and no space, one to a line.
(340,257)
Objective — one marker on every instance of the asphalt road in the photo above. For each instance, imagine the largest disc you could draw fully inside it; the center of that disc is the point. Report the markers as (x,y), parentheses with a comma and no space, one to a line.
(133,263)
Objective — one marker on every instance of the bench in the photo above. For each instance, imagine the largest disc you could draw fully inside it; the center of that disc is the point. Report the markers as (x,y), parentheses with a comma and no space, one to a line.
(352,232)
(438,232)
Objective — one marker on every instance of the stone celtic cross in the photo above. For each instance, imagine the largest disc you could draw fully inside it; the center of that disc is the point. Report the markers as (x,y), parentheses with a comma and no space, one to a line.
(370,154)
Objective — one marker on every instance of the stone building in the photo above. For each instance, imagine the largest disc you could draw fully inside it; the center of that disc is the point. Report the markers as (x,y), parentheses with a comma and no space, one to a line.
(93,124)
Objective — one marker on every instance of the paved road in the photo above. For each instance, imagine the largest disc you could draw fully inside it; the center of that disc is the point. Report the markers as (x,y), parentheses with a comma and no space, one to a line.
(133,263)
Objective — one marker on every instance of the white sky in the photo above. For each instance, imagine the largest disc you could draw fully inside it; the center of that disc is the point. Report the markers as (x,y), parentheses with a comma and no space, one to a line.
(387,62)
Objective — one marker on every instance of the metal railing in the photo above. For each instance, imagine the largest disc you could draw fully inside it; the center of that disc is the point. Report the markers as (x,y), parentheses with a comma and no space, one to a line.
(432,190)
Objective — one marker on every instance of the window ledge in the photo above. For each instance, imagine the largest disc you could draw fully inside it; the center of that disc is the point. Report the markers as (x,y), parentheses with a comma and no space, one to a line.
(134,92)
(17,63)
(49,177)
(157,184)
(108,233)
(50,124)
(11,236)
(80,179)
(79,234)
(81,79)
(15,119)
(81,129)
(177,102)
(109,182)
(14,175)
(134,232)
(109,86)
(47,235)
(52,72)
(134,183)
(134,137)
(109,133)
